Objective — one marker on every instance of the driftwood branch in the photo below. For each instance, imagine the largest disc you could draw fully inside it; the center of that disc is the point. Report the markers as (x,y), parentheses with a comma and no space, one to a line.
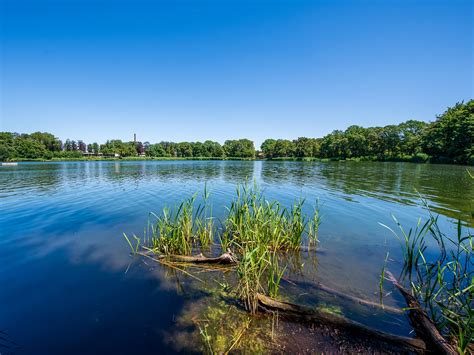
(420,321)
(227,258)
(301,313)
(352,298)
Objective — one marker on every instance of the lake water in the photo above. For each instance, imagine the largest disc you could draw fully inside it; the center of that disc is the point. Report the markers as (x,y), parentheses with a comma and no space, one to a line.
(69,285)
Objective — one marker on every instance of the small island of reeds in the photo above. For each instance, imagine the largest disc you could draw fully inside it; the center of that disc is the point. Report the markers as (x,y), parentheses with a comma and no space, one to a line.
(260,241)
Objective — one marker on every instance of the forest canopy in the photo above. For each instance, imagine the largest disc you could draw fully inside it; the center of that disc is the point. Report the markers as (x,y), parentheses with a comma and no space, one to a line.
(450,138)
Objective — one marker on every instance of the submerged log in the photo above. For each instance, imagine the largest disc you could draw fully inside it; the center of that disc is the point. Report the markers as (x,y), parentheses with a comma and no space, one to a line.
(352,298)
(227,258)
(301,313)
(423,325)
(358,300)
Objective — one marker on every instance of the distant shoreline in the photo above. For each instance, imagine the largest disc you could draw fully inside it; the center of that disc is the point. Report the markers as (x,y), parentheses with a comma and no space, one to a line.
(406,159)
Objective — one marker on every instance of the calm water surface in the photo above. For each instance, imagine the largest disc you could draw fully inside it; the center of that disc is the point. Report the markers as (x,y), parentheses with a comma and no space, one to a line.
(69,285)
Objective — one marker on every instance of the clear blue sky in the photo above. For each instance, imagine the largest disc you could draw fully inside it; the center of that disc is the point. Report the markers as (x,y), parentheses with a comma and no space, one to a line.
(196,70)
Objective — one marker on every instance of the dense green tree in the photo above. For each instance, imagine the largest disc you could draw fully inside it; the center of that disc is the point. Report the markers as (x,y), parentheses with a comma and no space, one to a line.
(304,147)
(116,146)
(284,148)
(185,150)
(374,142)
(239,148)
(411,136)
(7,149)
(391,140)
(334,145)
(28,148)
(81,146)
(198,150)
(449,138)
(213,149)
(49,141)
(67,145)
(170,149)
(140,148)
(356,141)
(452,134)
(155,150)
(268,148)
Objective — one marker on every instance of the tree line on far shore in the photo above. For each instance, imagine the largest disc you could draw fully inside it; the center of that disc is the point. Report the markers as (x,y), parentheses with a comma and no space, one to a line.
(450,138)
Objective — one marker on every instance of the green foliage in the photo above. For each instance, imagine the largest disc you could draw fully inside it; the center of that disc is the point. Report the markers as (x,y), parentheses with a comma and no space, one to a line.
(253,220)
(29,148)
(116,146)
(438,270)
(180,230)
(49,141)
(255,230)
(452,134)
(449,139)
(208,149)
(268,148)
(240,148)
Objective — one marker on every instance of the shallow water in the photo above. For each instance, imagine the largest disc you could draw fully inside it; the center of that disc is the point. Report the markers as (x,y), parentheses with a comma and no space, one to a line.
(68,284)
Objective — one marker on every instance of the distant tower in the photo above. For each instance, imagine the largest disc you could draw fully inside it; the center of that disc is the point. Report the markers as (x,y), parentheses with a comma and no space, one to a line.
(134,138)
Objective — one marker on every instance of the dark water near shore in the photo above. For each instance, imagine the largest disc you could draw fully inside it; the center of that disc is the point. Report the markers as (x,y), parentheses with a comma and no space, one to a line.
(68,284)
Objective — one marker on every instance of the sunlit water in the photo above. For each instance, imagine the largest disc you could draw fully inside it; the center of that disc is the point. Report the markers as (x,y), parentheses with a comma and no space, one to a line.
(69,285)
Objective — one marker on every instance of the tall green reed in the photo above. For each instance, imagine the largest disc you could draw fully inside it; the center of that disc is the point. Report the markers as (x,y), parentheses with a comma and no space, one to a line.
(181,229)
(439,270)
(254,220)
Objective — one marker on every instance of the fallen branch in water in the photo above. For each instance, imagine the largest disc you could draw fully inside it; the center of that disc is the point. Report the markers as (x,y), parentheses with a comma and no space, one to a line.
(423,325)
(301,313)
(227,258)
(352,298)
(298,312)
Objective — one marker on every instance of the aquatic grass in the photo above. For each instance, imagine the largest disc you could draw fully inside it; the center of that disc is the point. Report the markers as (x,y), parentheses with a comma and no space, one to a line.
(382,278)
(133,248)
(222,330)
(441,277)
(412,243)
(206,339)
(181,229)
(258,231)
(275,274)
(250,272)
(313,225)
(253,219)
(259,271)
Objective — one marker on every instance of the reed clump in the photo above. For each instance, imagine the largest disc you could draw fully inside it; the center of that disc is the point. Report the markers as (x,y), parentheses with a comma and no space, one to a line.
(258,230)
(255,230)
(252,220)
(438,270)
(179,230)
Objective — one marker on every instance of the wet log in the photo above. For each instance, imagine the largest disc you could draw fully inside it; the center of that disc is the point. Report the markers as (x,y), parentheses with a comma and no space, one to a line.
(300,313)
(423,325)
(357,299)
(343,295)
(227,258)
